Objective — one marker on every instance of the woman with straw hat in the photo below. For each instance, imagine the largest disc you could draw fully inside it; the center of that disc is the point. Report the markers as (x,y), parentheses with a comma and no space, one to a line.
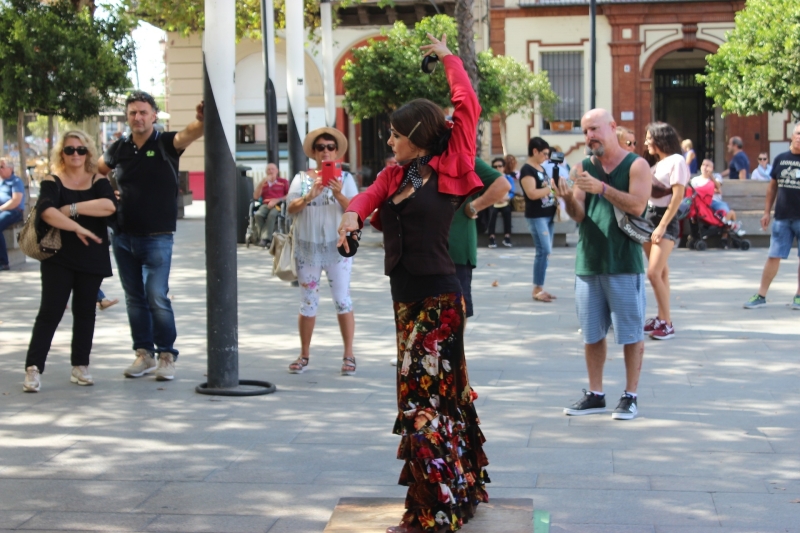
(317,208)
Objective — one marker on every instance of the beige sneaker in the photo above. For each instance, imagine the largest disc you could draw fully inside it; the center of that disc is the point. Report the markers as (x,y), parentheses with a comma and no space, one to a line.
(166,367)
(144,364)
(81,375)
(32,381)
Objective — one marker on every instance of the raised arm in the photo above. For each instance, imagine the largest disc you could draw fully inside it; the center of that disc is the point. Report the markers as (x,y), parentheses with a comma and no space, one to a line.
(192,132)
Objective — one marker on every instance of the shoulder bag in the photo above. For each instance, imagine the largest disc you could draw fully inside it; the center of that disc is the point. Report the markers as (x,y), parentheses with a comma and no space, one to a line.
(282,248)
(636,228)
(29,242)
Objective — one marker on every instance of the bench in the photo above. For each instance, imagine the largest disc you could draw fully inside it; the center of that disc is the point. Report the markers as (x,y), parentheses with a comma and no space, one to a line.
(747,198)
(15,255)
(565,231)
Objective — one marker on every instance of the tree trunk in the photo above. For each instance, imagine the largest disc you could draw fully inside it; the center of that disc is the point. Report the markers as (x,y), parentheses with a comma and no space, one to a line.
(2,138)
(466,39)
(22,145)
(49,139)
(503,134)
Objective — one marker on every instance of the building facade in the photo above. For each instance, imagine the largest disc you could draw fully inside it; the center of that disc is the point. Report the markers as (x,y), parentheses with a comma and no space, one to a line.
(648,54)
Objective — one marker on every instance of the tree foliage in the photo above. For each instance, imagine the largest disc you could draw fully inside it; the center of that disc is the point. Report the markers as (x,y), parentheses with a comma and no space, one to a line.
(55,60)
(386,73)
(188,16)
(758,68)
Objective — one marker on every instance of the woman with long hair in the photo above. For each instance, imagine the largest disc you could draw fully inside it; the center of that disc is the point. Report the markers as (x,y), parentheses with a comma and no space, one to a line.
(670,176)
(441,444)
(317,206)
(77,201)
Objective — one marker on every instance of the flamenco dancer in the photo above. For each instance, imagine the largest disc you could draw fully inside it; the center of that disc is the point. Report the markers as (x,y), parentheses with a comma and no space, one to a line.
(441,444)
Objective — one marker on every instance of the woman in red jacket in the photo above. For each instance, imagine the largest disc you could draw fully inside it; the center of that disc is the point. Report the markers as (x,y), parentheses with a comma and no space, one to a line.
(441,444)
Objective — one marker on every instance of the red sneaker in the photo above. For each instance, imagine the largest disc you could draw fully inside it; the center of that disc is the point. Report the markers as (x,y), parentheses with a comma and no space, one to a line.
(651,324)
(663,332)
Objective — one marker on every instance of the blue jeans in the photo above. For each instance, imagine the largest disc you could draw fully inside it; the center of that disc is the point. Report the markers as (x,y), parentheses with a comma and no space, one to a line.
(7,219)
(784,232)
(542,232)
(143,264)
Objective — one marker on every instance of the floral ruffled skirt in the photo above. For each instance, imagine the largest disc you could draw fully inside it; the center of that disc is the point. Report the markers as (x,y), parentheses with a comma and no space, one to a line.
(441,444)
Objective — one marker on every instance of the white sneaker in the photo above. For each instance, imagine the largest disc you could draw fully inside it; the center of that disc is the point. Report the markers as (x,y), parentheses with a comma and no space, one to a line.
(166,367)
(32,381)
(81,375)
(144,364)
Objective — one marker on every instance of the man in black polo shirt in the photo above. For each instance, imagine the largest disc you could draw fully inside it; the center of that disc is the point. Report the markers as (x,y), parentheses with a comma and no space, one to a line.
(146,163)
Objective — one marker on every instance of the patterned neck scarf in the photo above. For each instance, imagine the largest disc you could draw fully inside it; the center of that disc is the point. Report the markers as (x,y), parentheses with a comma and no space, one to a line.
(412,174)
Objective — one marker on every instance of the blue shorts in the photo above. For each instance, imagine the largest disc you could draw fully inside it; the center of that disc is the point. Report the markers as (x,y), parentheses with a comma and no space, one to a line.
(784,233)
(611,298)
(719,205)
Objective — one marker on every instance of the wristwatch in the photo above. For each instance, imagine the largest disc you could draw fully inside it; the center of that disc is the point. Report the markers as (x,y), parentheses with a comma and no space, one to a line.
(472,209)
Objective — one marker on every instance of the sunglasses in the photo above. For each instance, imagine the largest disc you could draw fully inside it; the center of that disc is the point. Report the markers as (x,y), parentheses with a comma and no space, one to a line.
(630,143)
(762,158)
(70,150)
(498,166)
(322,147)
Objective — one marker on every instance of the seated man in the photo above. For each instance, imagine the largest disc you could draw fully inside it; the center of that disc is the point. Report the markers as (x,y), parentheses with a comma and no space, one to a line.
(271,190)
(12,196)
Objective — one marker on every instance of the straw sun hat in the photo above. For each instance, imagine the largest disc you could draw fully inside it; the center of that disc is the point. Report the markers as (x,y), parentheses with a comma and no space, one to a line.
(341,142)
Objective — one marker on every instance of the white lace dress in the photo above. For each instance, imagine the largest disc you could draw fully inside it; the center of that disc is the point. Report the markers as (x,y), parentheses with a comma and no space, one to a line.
(315,227)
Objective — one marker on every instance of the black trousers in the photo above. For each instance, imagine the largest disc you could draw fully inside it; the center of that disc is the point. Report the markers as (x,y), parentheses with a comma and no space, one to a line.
(506,212)
(57,284)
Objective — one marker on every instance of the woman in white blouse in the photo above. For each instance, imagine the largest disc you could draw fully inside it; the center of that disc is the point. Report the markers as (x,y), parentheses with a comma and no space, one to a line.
(670,176)
(317,208)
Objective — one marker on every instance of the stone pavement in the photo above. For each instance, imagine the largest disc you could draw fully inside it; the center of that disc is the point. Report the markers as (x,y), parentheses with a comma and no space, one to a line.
(714,451)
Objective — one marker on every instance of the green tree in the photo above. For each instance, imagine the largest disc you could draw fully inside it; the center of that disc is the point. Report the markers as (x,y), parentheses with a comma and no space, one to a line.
(188,16)
(386,73)
(519,91)
(758,68)
(56,60)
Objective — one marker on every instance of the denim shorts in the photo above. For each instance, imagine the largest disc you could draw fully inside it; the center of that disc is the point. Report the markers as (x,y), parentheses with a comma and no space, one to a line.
(784,233)
(655,214)
(604,299)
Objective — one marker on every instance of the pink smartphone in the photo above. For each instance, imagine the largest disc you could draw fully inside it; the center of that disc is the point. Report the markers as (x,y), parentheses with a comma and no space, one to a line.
(331,170)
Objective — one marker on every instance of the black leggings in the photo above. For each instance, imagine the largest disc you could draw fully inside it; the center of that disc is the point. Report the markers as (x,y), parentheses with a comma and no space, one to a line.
(57,284)
(506,212)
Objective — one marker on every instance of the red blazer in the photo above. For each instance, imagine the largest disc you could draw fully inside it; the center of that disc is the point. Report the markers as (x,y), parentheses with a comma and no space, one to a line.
(455,167)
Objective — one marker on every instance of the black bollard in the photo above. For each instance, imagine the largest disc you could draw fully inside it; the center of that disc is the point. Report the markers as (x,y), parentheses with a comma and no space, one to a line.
(221,290)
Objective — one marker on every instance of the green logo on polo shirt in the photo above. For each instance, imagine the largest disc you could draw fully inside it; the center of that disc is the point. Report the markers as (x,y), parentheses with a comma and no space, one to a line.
(151,153)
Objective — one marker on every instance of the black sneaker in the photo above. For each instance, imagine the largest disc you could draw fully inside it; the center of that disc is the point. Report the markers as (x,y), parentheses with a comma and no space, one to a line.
(492,242)
(507,242)
(626,408)
(590,404)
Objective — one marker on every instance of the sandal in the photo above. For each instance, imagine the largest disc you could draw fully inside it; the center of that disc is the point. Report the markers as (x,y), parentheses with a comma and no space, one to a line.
(347,364)
(299,365)
(105,303)
(543,297)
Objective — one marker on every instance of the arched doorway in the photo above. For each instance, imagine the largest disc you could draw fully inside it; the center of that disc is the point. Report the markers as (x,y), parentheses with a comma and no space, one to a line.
(680,100)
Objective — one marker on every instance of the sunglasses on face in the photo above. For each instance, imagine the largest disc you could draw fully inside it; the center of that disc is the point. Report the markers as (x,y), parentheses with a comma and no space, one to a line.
(70,150)
(322,147)
(762,158)
(498,166)
(630,143)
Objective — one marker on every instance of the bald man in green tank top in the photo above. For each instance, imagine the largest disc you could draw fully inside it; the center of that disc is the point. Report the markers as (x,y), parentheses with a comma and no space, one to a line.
(609,266)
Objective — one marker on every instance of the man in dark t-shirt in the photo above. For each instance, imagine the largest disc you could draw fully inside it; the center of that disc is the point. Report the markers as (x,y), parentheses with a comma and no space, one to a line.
(739,167)
(785,187)
(146,164)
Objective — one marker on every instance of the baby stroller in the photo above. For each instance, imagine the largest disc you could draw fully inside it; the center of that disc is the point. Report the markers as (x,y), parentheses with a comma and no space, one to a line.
(707,224)
(251,235)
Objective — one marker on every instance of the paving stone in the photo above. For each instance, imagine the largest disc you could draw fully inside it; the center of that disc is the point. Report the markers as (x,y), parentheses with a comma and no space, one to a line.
(66,521)
(374,515)
(211,524)
(715,445)
(12,519)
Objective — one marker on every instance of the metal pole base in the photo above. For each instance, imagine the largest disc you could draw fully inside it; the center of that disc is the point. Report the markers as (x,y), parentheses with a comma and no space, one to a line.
(261,387)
